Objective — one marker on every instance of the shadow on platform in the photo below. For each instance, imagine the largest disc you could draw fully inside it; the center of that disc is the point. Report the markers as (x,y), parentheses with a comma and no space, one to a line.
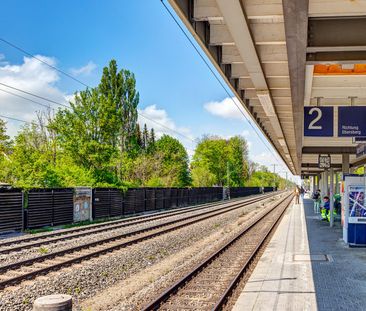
(340,279)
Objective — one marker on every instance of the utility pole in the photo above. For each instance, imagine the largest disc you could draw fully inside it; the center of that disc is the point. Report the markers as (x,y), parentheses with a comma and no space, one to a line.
(228,178)
(228,174)
(286,181)
(274,175)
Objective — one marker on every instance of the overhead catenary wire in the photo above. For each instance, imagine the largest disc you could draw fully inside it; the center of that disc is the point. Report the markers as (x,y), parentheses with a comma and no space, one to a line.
(77,80)
(34,95)
(63,105)
(42,61)
(217,78)
(28,99)
(14,119)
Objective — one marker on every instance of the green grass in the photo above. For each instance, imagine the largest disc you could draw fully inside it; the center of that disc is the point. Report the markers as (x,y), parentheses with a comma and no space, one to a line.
(43,250)
(40,230)
(69,226)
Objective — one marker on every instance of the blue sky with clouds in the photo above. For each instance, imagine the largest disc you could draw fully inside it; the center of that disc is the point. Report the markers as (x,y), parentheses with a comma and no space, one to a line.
(80,37)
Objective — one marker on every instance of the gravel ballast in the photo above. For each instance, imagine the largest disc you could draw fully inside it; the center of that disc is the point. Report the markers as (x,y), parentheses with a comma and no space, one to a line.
(122,268)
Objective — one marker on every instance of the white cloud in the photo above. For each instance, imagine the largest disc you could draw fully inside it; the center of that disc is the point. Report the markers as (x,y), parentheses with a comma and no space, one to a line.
(31,76)
(2,60)
(163,124)
(85,70)
(227,109)
(265,158)
(250,145)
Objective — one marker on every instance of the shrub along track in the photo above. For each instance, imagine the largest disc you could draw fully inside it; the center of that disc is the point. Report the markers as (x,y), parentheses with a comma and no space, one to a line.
(209,285)
(16,272)
(15,245)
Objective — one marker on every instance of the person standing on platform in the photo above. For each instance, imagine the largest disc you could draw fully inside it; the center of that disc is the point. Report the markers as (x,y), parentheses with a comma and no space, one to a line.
(325,209)
(297,194)
(316,198)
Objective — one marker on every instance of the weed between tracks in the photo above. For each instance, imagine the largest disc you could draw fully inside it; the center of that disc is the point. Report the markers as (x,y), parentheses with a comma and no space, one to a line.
(43,250)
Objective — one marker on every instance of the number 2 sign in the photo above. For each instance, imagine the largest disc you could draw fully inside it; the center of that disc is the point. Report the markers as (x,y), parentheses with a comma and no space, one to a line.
(318,121)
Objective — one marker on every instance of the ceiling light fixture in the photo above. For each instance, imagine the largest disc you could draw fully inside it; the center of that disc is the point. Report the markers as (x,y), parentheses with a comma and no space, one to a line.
(266,102)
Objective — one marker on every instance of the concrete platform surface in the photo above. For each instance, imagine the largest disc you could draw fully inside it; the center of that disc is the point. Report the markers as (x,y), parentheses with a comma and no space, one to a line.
(306,266)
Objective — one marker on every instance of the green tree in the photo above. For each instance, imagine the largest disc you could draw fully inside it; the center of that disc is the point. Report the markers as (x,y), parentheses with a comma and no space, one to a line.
(202,177)
(151,148)
(262,177)
(101,125)
(145,138)
(237,150)
(138,136)
(118,90)
(5,150)
(174,163)
(4,139)
(88,133)
(32,160)
(222,159)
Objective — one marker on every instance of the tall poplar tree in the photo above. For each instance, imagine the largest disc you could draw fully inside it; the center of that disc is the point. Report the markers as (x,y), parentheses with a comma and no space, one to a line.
(4,138)
(145,138)
(118,89)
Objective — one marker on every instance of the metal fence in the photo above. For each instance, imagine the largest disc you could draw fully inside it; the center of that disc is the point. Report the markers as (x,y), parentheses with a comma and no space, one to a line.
(237,192)
(269,189)
(112,202)
(49,207)
(11,210)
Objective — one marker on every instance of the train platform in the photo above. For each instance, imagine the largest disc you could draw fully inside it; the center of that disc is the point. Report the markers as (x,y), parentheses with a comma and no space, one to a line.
(306,266)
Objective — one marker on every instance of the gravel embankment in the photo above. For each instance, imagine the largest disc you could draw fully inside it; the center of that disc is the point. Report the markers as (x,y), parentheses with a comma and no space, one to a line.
(161,259)
(33,252)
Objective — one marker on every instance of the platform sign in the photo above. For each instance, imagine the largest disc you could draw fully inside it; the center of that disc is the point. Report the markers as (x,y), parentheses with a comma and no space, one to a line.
(358,139)
(318,121)
(360,150)
(324,161)
(351,121)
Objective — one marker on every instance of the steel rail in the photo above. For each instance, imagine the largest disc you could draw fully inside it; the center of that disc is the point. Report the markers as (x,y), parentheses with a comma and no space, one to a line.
(64,237)
(38,271)
(81,231)
(208,214)
(224,297)
(155,304)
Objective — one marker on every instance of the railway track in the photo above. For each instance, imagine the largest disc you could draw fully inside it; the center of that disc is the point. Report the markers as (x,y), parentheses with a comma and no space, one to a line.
(16,272)
(209,285)
(35,241)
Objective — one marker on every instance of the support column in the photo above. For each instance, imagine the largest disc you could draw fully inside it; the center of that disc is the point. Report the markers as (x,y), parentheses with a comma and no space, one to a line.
(345,163)
(331,222)
(321,184)
(317,182)
(337,190)
(326,184)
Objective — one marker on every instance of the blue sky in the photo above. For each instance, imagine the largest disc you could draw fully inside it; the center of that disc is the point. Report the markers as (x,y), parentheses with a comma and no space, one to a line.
(80,37)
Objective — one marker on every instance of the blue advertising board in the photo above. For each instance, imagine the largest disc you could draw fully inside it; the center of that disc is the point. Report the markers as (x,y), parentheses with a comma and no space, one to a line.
(351,121)
(318,121)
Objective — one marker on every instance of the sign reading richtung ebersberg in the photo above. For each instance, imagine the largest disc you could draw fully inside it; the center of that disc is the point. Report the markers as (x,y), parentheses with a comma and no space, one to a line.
(352,121)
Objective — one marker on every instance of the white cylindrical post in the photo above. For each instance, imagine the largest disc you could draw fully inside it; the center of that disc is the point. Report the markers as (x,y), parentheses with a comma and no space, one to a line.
(53,303)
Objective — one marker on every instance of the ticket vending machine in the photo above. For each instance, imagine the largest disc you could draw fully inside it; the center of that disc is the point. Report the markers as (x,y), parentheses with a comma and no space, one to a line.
(354,210)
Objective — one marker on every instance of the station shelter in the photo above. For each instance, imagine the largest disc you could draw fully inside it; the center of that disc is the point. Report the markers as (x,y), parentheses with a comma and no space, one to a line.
(298,68)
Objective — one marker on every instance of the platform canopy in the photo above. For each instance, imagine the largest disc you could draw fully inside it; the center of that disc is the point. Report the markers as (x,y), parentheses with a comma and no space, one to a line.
(278,56)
